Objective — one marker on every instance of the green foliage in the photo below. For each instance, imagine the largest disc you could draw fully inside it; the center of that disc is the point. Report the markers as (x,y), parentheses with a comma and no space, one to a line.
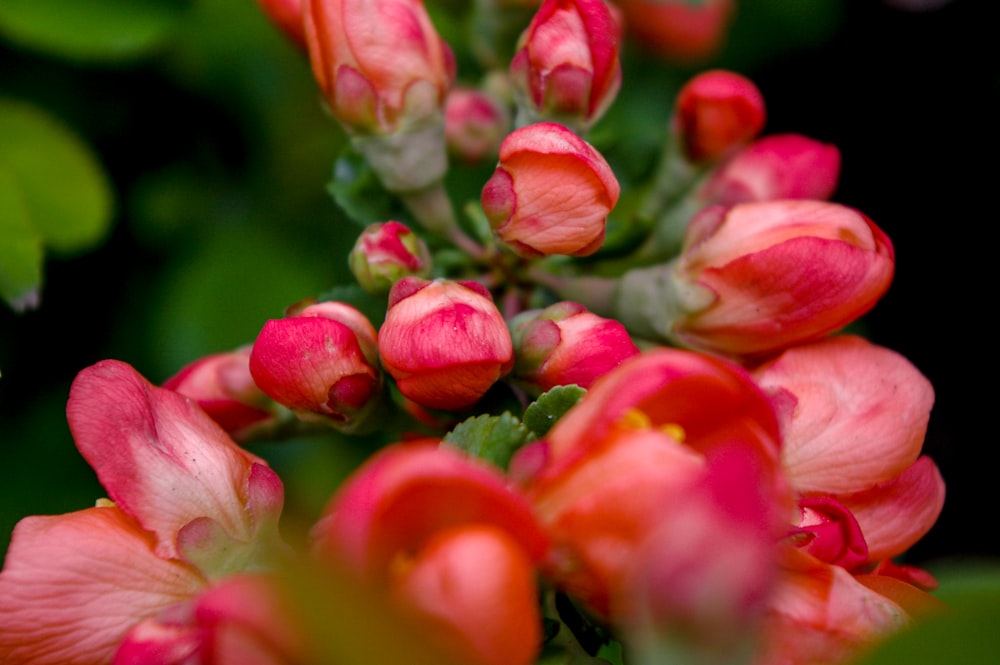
(54,195)
(543,413)
(491,438)
(356,189)
(95,30)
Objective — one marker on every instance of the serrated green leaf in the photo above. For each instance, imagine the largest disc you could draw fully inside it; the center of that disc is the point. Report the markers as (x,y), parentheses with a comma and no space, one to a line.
(21,253)
(550,406)
(357,190)
(95,30)
(65,190)
(492,438)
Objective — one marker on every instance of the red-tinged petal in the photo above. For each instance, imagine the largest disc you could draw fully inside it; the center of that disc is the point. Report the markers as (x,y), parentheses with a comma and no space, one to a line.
(896,514)
(73,586)
(406,493)
(860,414)
(473,590)
(161,458)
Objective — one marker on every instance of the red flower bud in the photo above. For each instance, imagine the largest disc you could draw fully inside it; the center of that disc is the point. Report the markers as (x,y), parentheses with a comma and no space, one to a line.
(759,277)
(222,386)
(679,30)
(717,111)
(444,342)
(475,122)
(565,344)
(323,360)
(566,68)
(780,166)
(550,194)
(385,253)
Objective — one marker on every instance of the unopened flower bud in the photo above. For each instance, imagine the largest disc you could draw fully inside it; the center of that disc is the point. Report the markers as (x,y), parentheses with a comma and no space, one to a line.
(385,253)
(550,194)
(780,166)
(384,72)
(758,277)
(444,342)
(566,68)
(565,344)
(679,30)
(717,112)
(322,361)
(475,122)
(222,386)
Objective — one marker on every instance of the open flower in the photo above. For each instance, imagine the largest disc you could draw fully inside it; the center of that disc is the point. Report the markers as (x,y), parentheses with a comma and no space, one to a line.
(566,68)
(551,193)
(189,508)
(611,472)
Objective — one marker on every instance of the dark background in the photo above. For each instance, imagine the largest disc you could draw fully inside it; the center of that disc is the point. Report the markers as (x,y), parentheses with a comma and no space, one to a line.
(910,98)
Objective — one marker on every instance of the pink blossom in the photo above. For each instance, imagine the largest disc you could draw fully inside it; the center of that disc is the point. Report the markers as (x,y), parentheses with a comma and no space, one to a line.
(386,252)
(475,123)
(190,507)
(716,112)
(678,30)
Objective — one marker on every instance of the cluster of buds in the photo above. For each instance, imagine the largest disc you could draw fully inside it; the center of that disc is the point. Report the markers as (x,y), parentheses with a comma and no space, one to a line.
(665,442)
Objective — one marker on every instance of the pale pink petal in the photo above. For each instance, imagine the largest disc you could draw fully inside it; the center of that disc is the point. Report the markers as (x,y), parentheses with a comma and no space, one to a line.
(896,514)
(860,416)
(73,586)
(160,457)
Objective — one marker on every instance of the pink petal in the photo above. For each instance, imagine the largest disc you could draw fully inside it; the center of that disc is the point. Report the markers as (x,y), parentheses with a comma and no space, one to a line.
(73,585)
(160,457)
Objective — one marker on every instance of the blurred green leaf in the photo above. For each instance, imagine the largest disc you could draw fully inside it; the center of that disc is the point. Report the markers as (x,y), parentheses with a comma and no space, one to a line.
(965,634)
(95,30)
(543,413)
(65,189)
(357,190)
(21,252)
(491,438)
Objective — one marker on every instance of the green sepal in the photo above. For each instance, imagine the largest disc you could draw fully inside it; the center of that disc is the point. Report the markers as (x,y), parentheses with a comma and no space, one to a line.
(550,406)
(491,438)
(359,192)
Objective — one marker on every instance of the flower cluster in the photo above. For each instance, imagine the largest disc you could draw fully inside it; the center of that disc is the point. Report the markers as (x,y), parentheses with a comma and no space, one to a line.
(610,413)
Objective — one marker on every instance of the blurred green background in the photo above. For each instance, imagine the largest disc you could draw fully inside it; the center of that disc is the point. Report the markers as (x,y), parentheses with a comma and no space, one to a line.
(196,160)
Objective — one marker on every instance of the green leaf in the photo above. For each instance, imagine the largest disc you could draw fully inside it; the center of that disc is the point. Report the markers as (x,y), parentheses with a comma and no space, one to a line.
(492,438)
(94,30)
(65,190)
(965,634)
(550,406)
(21,253)
(357,190)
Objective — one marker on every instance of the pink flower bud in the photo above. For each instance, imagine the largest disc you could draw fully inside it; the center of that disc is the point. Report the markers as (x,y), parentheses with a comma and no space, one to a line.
(780,166)
(385,253)
(716,112)
(475,122)
(566,68)
(679,30)
(758,277)
(222,386)
(380,64)
(550,194)
(287,16)
(323,360)
(565,344)
(444,342)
